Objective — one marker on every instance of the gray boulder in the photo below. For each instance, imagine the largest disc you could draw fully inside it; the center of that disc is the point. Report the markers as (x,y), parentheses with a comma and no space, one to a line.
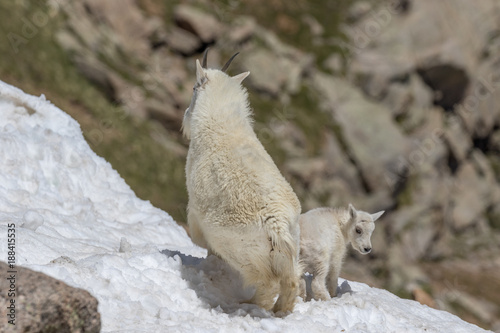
(242,30)
(45,304)
(371,137)
(200,23)
(471,197)
(389,45)
(125,23)
(182,41)
(268,73)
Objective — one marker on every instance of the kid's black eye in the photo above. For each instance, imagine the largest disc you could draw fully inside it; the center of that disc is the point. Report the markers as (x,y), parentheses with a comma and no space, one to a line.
(358,230)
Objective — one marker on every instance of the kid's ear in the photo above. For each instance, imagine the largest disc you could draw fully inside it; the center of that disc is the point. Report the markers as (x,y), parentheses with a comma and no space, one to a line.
(240,77)
(352,211)
(200,72)
(377,215)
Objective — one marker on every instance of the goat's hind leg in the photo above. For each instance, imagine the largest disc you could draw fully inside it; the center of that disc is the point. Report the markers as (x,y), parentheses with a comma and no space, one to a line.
(264,295)
(195,231)
(288,292)
(303,288)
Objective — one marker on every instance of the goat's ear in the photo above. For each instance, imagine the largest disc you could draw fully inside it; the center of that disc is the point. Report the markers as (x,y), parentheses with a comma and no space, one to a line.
(200,72)
(377,215)
(240,77)
(352,211)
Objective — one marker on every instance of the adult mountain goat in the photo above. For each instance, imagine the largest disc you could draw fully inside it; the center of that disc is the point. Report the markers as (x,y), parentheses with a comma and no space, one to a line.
(240,206)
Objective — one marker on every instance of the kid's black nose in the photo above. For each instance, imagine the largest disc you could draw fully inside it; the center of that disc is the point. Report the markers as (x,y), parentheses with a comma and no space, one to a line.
(368,249)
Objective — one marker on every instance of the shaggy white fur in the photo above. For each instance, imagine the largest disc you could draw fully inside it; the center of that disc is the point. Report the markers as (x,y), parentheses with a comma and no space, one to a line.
(324,236)
(240,206)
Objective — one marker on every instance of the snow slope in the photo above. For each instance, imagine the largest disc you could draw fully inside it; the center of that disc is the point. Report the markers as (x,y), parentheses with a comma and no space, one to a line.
(78,221)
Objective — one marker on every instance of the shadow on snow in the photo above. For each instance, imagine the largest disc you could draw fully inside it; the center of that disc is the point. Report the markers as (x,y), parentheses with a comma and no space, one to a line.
(221,288)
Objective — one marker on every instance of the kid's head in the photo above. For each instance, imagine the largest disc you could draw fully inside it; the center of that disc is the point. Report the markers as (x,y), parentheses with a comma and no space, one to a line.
(361,226)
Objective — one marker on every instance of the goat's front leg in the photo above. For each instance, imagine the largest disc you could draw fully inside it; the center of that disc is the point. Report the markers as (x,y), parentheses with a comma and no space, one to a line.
(318,286)
(332,282)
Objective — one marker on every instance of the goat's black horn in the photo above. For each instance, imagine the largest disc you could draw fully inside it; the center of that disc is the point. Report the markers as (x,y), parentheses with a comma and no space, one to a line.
(229,62)
(204,61)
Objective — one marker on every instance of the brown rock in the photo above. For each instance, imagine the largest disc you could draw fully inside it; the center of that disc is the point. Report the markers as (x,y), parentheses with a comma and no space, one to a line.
(203,25)
(338,164)
(495,141)
(457,139)
(358,10)
(268,74)
(45,304)
(479,109)
(242,30)
(398,99)
(387,46)
(314,26)
(372,138)
(306,169)
(182,41)
(470,198)
(334,63)
(126,20)
(99,74)
(373,72)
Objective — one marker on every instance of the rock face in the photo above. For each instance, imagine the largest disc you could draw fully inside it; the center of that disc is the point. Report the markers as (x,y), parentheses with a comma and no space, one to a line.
(44,304)
(406,120)
(369,132)
(204,26)
(439,81)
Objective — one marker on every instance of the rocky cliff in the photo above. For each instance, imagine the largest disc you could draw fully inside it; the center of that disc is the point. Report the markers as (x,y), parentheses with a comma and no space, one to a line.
(391,106)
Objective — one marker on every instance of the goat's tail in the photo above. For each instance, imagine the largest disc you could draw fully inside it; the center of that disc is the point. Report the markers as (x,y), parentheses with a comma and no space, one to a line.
(283,253)
(284,238)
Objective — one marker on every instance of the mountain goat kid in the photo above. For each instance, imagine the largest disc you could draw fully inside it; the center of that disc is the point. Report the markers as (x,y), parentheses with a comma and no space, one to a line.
(240,206)
(324,236)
